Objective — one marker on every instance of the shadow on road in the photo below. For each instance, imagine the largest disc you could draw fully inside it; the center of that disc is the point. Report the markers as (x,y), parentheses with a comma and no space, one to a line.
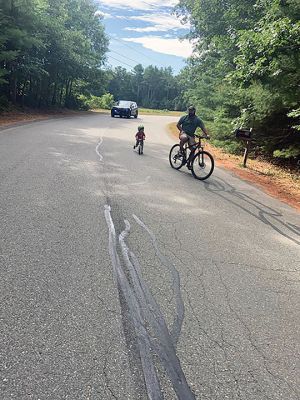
(253,207)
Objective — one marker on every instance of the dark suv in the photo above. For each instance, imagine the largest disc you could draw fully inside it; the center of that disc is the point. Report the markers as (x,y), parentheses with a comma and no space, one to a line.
(125,108)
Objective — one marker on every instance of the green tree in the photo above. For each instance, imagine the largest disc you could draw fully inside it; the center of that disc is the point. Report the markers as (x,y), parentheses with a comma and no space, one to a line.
(245,69)
(47,47)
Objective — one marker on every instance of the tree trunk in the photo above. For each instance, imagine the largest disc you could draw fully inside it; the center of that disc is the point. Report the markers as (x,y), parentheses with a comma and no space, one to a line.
(53,101)
(23,92)
(70,89)
(13,88)
(67,92)
(61,95)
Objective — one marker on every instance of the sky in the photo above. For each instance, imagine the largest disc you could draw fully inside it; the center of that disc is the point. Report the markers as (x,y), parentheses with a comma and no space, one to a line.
(144,32)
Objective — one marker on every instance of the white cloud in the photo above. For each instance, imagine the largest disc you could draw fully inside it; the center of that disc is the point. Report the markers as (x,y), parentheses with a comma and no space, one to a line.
(101,14)
(173,47)
(162,22)
(138,4)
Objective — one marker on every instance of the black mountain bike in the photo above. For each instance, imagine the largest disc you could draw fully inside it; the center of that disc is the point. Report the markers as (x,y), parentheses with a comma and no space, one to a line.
(201,163)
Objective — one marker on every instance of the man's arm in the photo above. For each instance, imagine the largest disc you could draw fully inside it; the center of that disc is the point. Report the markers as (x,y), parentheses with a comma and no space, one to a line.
(179,126)
(202,126)
(205,131)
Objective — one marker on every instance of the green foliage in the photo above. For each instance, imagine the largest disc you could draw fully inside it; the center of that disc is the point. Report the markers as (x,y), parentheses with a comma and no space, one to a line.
(3,103)
(93,102)
(246,70)
(47,49)
(290,152)
(295,114)
(151,87)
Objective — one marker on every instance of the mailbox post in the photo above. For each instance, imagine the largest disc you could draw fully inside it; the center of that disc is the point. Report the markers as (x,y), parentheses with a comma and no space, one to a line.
(244,135)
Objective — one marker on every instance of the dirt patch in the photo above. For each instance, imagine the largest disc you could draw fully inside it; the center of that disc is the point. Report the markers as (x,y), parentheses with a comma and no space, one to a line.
(28,115)
(12,117)
(278,182)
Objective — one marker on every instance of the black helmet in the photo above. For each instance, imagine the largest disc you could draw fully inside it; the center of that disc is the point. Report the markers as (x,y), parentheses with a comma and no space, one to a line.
(192,108)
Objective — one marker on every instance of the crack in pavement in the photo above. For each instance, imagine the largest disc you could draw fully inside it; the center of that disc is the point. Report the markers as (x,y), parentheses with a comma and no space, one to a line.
(252,342)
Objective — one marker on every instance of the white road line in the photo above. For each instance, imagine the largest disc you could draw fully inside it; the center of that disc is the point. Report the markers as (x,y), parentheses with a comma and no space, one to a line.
(97,149)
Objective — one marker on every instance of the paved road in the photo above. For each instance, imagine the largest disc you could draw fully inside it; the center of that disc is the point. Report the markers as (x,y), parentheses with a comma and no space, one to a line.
(121,278)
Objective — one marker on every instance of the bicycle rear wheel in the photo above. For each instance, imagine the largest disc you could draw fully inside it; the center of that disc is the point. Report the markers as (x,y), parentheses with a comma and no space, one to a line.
(202,165)
(175,158)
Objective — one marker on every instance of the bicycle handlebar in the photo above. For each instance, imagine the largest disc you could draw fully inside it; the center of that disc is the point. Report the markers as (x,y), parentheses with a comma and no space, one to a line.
(202,137)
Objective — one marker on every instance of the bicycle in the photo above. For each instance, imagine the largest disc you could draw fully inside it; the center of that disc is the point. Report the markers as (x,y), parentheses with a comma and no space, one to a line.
(140,146)
(201,163)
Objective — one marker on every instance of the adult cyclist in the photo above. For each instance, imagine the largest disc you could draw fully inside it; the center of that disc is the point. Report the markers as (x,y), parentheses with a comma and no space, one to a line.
(187,126)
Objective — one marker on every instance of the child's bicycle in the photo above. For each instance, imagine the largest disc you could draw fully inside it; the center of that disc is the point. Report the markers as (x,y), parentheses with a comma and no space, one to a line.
(201,163)
(140,146)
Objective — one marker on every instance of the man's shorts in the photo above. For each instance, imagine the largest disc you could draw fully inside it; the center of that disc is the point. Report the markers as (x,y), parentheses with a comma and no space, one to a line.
(184,137)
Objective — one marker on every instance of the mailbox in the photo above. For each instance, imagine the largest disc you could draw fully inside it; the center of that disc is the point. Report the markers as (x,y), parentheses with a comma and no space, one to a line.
(242,133)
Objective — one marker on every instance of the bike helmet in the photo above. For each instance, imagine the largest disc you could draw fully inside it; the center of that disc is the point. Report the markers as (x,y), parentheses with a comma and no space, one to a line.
(140,127)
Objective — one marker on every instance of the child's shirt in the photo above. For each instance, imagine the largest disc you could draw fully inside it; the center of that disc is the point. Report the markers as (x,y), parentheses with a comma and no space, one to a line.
(140,135)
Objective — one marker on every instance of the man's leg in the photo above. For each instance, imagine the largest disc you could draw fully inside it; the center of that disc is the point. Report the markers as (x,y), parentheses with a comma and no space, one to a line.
(192,146)
(183,139)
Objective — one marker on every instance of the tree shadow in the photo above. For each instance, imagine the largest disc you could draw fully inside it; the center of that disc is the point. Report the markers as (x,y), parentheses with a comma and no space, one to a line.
(260,211)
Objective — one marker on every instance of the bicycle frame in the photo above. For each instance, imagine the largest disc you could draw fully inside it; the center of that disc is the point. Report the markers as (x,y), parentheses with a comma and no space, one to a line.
(194,147)
(140,146)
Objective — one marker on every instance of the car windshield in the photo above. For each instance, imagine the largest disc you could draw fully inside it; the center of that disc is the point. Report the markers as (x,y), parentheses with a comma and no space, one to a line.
(123,103)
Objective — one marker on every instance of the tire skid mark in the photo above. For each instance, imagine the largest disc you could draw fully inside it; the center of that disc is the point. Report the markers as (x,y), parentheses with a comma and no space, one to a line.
(145,311)
(97,149)
(150,376)
(162,341)
(178,321)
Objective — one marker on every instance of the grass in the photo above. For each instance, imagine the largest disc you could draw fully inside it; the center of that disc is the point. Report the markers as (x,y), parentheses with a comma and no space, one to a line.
(150,111)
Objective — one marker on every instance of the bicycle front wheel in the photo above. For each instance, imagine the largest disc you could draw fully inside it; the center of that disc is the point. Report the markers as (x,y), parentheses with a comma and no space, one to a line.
(202,165)
(175,157)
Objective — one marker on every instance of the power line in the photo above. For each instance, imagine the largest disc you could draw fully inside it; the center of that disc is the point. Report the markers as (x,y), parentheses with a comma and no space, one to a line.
(119,54)
(122,62)
(132,48)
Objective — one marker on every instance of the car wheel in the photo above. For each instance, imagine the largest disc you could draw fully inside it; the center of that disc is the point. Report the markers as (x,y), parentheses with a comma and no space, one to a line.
(136,115)
(112,115)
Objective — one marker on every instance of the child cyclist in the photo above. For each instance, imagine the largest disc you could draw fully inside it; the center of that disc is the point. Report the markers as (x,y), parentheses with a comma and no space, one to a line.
(140,135)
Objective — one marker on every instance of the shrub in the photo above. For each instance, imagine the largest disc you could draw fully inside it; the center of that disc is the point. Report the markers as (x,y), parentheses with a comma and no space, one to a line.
(93,102)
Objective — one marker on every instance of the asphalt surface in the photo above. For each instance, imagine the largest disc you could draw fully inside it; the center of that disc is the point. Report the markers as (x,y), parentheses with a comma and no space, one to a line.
(121,278)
